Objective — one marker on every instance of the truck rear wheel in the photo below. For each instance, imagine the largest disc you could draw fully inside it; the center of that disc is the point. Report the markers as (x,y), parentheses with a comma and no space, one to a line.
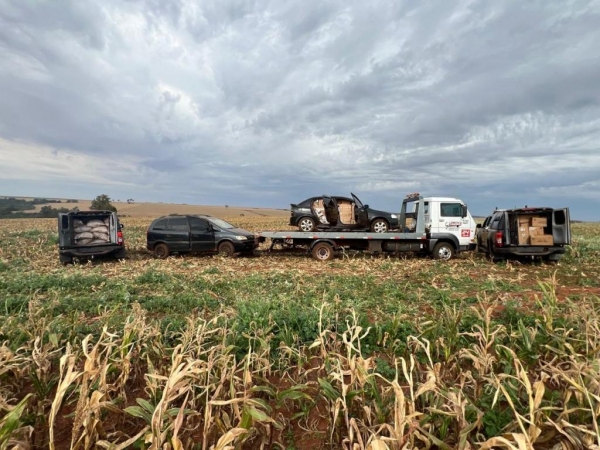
(443,251)
(161,251)
(322,251)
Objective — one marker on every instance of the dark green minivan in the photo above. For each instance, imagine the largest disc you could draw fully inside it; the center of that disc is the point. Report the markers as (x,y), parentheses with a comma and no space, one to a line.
(197,233)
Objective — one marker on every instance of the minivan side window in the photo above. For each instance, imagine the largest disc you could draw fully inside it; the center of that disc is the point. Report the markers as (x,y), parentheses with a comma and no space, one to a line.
(178,224)
(450,210)
(198,224)
(160,225)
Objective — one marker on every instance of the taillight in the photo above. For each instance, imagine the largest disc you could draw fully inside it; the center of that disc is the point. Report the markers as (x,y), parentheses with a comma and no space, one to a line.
(119,237)
(499,238)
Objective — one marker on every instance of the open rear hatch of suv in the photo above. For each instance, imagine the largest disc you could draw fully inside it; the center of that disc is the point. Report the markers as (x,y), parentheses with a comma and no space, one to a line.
(545,227)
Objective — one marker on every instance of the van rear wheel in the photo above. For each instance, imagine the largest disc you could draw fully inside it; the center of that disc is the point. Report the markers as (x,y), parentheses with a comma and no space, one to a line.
(161,251)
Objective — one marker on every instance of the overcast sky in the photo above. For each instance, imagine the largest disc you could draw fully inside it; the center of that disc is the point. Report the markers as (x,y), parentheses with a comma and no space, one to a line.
(265,103)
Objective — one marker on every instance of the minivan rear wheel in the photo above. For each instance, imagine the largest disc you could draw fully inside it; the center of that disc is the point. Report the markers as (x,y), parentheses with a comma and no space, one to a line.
(161,251)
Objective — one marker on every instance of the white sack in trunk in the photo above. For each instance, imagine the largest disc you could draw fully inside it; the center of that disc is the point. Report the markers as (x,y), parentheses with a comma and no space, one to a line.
(95,223)
(102,236)
(84,241)
(84,235)
(82,229)
(100,229)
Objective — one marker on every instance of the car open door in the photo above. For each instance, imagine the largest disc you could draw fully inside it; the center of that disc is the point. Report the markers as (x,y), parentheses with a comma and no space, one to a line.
(362,213)
(561,226)
(331,210)
(64,230)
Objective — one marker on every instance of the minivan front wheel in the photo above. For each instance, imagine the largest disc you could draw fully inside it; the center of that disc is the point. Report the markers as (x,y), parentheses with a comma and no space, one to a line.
(306,224)
(226,248)
(161,251)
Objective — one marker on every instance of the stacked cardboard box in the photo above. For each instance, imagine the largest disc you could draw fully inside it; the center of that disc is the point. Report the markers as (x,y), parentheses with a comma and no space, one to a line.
(531,231)
(523,230)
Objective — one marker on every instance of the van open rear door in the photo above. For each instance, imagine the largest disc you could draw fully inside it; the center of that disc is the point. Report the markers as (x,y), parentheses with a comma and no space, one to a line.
(561,226)
(64,230)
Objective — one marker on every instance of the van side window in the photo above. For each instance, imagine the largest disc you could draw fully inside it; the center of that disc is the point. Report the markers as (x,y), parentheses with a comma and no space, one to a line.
(198,224)
(65,222)
(425,208)
(497,221)
(178,224)
(450,210)
(160,225)
(560,217)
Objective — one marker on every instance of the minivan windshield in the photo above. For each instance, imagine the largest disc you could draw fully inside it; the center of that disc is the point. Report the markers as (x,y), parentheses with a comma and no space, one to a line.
(220,223)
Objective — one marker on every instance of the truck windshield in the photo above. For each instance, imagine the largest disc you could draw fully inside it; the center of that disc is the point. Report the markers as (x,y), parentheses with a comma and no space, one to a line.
(221,223)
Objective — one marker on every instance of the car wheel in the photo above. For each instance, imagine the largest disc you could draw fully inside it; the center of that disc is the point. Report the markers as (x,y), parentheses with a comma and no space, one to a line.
(443,251)
(322,251)
(226,248)
(379,226)
(161,251)
(306,224)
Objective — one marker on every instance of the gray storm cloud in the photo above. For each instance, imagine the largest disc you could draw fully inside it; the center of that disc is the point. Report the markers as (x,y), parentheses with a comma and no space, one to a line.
(265,103)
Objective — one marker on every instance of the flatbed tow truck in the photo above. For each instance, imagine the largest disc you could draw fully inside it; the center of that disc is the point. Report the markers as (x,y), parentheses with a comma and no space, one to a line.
(437,226)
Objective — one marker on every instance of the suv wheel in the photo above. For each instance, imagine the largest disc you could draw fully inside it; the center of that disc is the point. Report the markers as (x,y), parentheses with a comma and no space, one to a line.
(306,224)
(161,251)
(379,226)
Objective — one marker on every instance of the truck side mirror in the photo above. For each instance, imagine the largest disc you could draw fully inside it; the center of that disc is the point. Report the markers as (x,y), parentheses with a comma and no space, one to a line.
(478,225)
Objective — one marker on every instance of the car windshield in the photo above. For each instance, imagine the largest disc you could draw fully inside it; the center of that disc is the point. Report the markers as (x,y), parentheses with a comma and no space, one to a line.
(221,223)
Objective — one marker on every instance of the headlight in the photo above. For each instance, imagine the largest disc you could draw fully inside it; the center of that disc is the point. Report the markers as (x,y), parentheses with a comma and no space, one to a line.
(394,216)
(241,238)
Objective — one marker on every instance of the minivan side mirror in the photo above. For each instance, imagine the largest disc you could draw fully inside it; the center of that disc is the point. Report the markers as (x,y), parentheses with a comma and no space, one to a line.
(478,225)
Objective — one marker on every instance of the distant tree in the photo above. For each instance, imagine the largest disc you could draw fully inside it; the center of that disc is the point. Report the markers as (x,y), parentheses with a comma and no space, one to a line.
(102,202)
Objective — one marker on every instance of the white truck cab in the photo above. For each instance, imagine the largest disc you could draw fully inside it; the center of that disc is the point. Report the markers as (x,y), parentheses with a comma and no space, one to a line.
(448,218)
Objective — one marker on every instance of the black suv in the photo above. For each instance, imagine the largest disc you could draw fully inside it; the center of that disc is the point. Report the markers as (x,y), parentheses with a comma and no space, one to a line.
(197,233)
(525,232)
(340,213)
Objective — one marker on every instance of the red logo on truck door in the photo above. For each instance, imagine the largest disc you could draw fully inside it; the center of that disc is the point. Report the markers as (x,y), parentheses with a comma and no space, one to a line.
(465,233)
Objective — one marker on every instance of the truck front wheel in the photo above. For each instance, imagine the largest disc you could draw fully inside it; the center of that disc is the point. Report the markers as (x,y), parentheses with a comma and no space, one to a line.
(322,251)
(443,250)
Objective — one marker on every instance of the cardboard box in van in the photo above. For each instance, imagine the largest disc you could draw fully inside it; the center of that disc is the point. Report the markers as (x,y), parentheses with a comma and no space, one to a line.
(544,239)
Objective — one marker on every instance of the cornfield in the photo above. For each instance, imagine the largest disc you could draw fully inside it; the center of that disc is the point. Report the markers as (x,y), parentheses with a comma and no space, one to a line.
(281,351)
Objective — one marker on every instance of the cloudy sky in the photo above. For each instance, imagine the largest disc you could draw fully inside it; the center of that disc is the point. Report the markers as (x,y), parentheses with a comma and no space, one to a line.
(264,103)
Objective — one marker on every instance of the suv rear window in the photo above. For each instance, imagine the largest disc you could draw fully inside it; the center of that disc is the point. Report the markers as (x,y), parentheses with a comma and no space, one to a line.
(497,221)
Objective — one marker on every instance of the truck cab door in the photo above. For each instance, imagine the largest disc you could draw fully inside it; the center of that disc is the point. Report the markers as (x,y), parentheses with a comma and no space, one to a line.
(64,230)
(331,210)
(202,236)
(561,226)
(361,212)
(453,221)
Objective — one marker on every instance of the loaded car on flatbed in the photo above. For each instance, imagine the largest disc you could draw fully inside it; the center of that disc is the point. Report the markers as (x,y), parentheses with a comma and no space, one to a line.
(436,226)
(525,232)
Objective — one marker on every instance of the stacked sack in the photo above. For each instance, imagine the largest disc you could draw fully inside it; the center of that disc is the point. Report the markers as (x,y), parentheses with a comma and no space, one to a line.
(93,232)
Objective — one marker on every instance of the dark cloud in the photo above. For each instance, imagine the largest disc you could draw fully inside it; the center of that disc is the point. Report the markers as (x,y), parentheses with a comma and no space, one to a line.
(266,103)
